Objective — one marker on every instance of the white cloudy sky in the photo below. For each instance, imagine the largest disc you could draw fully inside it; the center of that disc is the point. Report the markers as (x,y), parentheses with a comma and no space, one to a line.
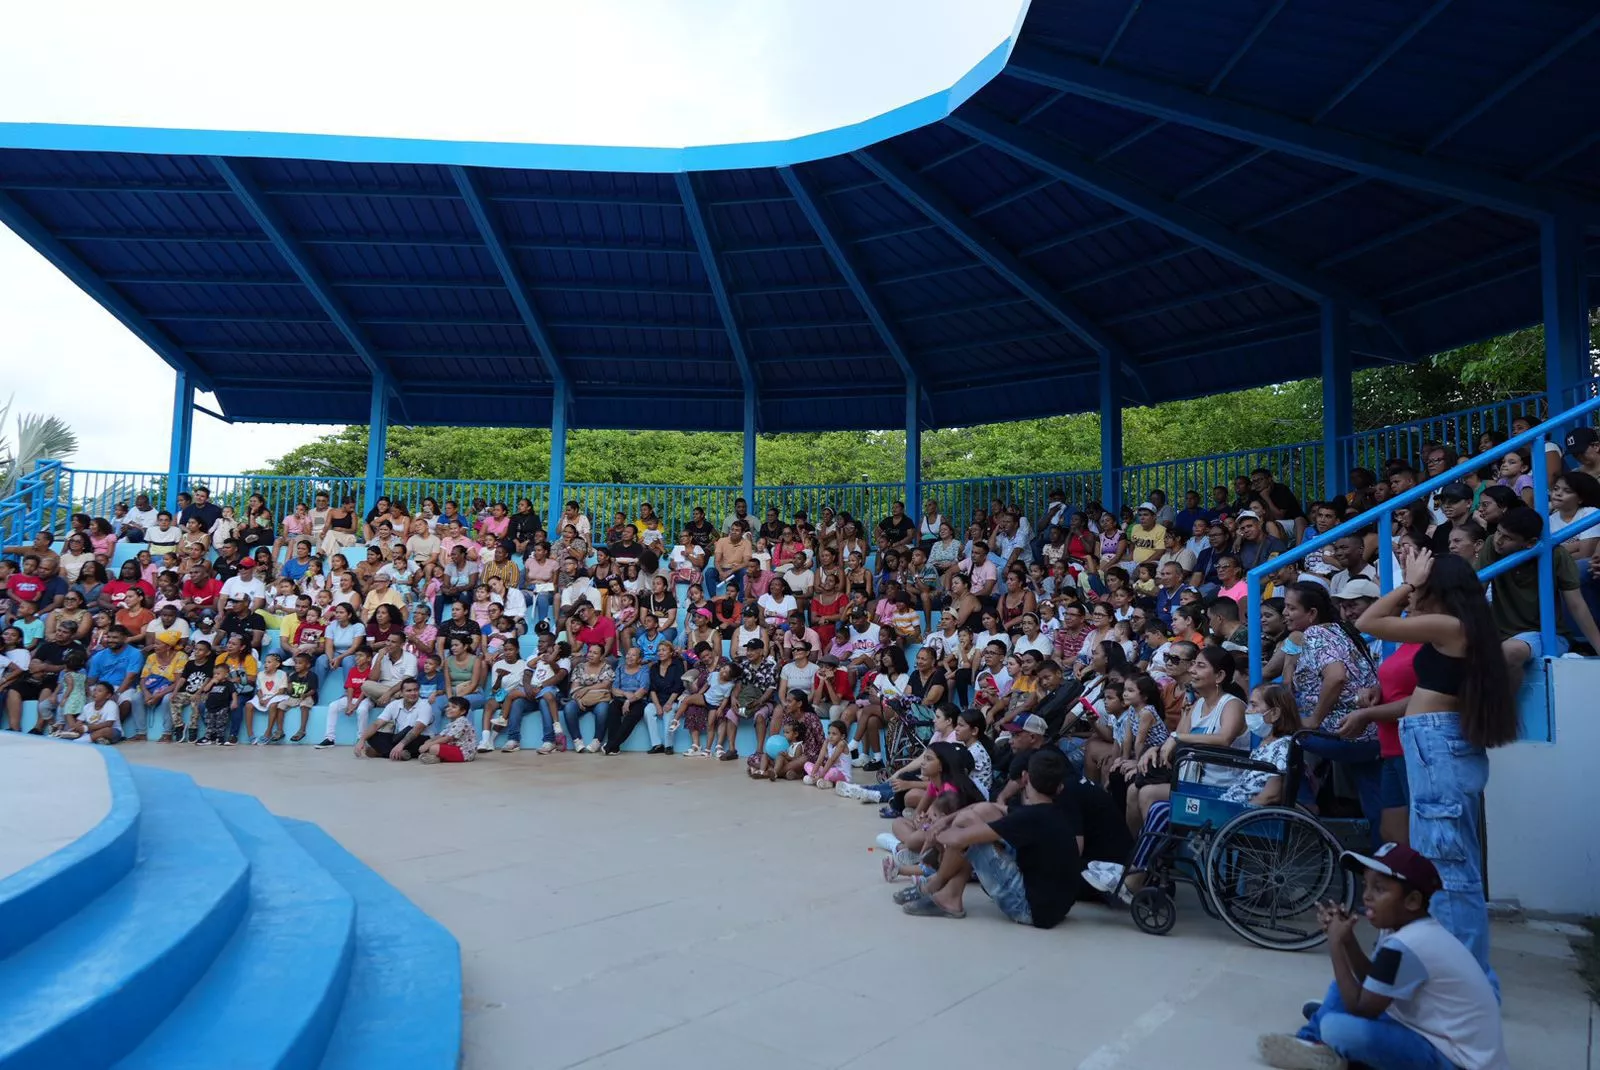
(605,72)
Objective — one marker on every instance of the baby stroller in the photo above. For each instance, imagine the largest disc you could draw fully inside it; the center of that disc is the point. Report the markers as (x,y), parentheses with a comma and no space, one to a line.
(906,736)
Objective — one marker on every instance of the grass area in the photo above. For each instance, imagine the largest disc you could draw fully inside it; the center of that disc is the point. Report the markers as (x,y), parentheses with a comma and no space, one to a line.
(1587,948)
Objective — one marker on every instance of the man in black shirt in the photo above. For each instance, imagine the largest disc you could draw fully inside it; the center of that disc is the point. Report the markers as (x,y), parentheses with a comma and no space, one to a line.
(701,531)
(1026,858)
(1102,831)
(896,531)
(240,620)
(229,554)
(49,658)
(202,508)
(771,528)
(1285,507)
(629,548)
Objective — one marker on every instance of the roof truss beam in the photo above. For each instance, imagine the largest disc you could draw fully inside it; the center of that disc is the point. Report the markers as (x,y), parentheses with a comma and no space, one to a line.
(699,227)
(810,200)
(276,229)
(1053,158)
(937,207)
(72,266)
(1283,133)
(494,240)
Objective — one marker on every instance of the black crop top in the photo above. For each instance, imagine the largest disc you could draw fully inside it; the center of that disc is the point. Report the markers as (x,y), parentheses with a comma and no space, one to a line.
(1438,671)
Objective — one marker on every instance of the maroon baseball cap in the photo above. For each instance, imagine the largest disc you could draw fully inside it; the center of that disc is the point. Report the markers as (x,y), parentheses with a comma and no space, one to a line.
(1402,863)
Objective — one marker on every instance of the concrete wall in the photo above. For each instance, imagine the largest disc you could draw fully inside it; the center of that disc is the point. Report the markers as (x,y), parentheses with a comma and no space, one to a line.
(1543,797)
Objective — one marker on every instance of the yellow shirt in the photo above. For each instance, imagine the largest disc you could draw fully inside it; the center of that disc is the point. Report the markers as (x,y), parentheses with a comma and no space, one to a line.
(1145,545)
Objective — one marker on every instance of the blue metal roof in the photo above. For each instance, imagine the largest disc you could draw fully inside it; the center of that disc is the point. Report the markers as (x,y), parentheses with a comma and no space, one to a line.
(1180,187)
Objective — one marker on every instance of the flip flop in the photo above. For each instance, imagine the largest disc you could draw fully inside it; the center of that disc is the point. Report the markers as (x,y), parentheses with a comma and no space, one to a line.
(297,737)
(923,907)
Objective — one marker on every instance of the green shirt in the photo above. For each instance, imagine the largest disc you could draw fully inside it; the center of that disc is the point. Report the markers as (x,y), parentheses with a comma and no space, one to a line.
(1514,595)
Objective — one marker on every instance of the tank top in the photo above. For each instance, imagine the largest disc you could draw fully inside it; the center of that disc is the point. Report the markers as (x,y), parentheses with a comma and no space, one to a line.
(458,674)
(1108,543)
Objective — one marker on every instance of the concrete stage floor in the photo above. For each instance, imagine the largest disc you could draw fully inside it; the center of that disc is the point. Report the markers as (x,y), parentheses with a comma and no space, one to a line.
(647,911)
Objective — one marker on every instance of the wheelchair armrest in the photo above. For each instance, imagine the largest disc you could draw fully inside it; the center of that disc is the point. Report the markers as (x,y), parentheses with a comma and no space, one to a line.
(1226,757)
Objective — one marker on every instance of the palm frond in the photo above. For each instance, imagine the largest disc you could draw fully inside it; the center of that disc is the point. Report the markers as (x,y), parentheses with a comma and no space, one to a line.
(38,438)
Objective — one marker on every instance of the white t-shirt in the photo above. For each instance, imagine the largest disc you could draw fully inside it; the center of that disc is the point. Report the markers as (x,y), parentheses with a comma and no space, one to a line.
(799,679)
(141,518)
(1040,643)
(19,657)
(238,586)
(390,671)
(1439,990)
(983,639)
(504,675)
(775,611)
(179,627)
(1556,523)
(107,711)
(158,538)
(402,719)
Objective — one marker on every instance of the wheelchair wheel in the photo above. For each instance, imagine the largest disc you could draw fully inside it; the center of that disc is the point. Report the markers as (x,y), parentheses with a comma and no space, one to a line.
(1153,911)
(1266,872)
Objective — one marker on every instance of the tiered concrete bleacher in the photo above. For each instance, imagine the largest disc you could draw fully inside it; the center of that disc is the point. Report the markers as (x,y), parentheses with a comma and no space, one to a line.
(193,928)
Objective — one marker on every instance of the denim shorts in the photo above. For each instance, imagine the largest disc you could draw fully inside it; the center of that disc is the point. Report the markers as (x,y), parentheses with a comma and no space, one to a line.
(1535,643)
(995,866)
(1394,790)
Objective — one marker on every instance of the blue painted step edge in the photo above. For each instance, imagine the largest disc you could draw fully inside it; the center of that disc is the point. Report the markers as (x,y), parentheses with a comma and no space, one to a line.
(269,1000)
(88,991)
(36,899)
(404,961)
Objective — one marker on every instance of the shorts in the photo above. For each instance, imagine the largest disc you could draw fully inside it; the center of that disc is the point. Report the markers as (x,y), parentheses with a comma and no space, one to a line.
(1536,645)
(130,696)
(449,752)
(27,688)
(995,866)
(1394,789)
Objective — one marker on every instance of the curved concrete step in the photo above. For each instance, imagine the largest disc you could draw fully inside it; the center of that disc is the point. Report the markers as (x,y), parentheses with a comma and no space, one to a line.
(269,1000)
(89,990)
(406,967)
(37,899)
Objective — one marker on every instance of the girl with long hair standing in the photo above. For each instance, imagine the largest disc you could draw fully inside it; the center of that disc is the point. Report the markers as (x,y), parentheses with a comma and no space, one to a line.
(1462,706)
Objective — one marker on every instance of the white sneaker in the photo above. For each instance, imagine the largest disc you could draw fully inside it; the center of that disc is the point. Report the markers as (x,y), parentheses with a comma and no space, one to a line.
(888,841)
(487,744)
(594,746)
(547,748)
(512,747)
(693,751)
(842,788)
(499,720)
(859,760)
(1102,876)
(807,781)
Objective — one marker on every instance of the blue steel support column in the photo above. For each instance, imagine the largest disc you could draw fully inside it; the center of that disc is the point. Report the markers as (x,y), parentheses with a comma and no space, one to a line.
(913,447)
(377,441)
(1338,397)
(558,455)
(1110,432)
(182,438)
(1566,310)
(747,484)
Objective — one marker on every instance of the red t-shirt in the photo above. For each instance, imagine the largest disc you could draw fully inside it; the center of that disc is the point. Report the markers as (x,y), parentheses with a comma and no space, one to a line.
(202,594)
(602,633)
(354,678)
(1397,678)
(25,588)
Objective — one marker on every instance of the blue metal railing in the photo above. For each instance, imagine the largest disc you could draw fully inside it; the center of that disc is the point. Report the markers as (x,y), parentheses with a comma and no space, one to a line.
(41,499)
(1459,430)
(1381,516)
(1297,465)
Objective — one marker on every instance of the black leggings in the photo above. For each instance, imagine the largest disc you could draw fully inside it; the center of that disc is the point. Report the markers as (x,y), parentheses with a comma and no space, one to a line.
(621,727)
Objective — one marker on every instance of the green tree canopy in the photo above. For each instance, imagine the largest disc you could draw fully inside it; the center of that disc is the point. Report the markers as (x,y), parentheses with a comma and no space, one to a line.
(1501,368)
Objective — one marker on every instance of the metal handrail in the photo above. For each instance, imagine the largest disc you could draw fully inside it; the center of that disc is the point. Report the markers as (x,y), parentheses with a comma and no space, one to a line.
(1379,515)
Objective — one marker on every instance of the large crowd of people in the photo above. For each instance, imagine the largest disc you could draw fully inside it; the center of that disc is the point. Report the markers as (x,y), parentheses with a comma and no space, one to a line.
(1012,692)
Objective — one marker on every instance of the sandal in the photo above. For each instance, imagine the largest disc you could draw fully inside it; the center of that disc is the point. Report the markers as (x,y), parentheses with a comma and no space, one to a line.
(906,895)
(298,736)
(924,907)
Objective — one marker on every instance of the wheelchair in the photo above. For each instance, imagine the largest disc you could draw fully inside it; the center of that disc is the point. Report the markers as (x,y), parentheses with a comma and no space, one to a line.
(1262,869)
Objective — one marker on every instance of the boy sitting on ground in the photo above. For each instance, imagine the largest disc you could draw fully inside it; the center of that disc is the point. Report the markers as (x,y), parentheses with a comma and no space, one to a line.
(1422,1000)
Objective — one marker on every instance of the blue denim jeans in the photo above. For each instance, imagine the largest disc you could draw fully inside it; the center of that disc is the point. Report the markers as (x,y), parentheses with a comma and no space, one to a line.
(1380,1043)
(1447,776)
(1365,765)
(735,580)
(517,709)
(571,718)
